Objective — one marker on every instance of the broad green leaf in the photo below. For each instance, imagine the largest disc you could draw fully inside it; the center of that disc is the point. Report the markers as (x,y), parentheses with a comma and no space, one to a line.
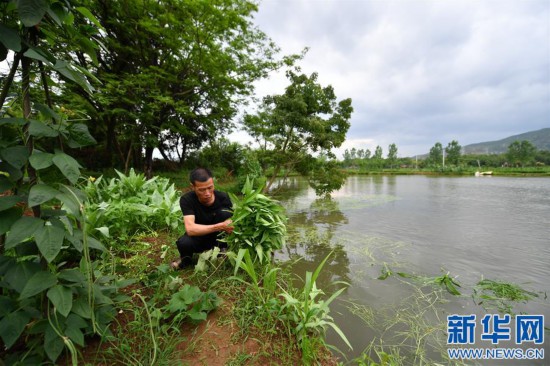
(53,343)
(66,69)
(62,298)
(12,326)
(49,239)
(40,160)
(6,264)
(40,129)
(10,38)
(39,282)
(76,240)
(16,156)
(13,121)
(31,12)
(75,321)
(75,335)
(80,136)
(103,230)
(40,54)
(88,14)
(5,183)
(68,166)
(95,244)
(69,203)
(7,202)
(54,14)
(19,276)
(7,305)
(47,112)
(22,229)
(9,171)
(82,308)
(41,193)
(72,275)
(3,52)
(99,296)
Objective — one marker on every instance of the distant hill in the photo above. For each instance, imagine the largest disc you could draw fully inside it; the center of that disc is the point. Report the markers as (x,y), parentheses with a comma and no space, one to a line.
(539,138)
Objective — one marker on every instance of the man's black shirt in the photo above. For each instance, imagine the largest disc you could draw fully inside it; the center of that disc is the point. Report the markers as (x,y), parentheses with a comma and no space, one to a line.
(206,215)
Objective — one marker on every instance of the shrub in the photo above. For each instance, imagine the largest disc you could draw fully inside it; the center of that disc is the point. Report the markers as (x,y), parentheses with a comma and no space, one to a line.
(128,205)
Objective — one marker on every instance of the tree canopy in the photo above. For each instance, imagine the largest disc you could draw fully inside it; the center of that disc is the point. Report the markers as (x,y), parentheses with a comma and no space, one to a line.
(305,119)
(173,75)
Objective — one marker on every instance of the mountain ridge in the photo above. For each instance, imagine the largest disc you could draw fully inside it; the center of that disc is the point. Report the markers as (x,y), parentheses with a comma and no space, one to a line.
(539,138)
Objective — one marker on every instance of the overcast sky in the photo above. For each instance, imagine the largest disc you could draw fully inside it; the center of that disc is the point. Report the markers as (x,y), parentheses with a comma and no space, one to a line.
(422,71)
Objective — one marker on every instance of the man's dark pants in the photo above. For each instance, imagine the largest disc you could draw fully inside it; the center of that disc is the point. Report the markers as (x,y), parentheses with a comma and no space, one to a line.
(189,245)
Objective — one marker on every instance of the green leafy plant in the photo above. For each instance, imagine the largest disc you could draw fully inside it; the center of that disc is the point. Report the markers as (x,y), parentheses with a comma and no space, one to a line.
(190,302)
(308,315)
(259,223)
(130,204)
(52,294)
(263,280)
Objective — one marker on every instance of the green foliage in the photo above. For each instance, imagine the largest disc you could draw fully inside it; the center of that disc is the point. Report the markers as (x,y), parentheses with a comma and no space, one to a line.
(52,294)
(445,281)
(326,177)
(259,223)
(308,315)
(453,152)
(306,118)
(521,152)
(191,302)
(181,91)
(500,295)
(152,335)
(131,204)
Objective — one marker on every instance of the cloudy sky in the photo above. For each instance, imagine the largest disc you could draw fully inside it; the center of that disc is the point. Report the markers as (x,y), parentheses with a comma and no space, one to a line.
(422,71)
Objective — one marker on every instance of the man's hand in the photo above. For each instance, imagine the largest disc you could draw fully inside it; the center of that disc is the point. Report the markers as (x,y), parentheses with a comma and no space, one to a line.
(226,226)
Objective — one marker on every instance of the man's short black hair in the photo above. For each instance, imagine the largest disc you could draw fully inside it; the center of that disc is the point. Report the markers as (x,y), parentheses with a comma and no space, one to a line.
(200,175)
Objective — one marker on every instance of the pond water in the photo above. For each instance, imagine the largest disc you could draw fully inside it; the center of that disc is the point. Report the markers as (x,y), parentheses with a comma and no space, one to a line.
(474,228)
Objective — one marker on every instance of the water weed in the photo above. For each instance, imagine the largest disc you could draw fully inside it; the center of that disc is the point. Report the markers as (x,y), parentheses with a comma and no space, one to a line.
(500,295)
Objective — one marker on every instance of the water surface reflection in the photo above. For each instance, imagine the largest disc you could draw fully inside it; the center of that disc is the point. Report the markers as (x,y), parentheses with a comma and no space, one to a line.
(473,228)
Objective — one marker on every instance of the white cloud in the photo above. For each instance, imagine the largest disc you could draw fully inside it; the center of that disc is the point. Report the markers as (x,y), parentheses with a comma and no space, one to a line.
(422,71)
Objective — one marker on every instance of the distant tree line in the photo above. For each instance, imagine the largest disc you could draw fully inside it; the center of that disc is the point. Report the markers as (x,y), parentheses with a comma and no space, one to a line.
(519,154)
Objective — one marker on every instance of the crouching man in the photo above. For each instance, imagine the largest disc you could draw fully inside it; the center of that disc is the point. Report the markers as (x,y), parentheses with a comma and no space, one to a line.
(206,213)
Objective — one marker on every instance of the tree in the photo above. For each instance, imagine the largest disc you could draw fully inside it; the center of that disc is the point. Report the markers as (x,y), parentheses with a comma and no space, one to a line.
(305,119)
(392,154)
(453,152)
(173,73)
(51,297)
(521,152)
(353,153)
(436,154)
(347,156)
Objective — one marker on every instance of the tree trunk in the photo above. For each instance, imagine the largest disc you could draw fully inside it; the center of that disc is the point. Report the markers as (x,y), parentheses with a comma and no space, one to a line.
(148,166)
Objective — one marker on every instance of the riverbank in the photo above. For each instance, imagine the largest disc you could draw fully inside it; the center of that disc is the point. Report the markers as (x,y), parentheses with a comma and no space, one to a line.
(470,171)
(232,334)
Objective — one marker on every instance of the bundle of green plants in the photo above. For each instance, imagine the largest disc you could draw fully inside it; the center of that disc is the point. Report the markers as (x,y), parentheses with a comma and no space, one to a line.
(132,204)
(259,223)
